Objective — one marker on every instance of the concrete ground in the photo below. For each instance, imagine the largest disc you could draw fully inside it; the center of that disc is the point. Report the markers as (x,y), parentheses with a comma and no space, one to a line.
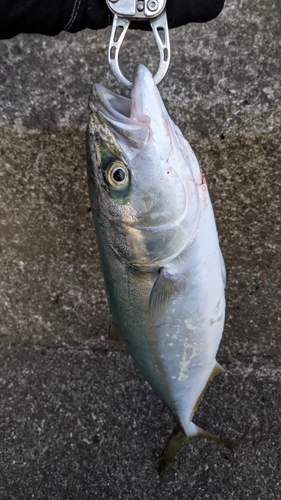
(77,419)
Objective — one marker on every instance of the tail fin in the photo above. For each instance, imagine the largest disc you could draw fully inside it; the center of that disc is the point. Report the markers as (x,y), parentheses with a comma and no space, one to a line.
(173,446)
(207,435)
(177,440)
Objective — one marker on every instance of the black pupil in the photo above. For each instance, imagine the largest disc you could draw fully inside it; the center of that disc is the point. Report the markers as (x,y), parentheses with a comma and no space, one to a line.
(119,175)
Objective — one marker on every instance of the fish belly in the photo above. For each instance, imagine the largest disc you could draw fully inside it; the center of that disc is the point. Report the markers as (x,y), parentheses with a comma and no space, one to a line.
(189,333)
(176,355)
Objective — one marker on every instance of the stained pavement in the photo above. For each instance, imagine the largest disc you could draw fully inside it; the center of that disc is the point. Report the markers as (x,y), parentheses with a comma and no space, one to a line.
(77,419)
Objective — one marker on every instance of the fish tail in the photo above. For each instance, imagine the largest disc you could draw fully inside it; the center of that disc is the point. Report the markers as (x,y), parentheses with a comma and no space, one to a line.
(207,435)
(173,446)
(178,438)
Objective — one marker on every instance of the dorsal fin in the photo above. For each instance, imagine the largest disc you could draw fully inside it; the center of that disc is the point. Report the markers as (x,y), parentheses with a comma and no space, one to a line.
(114,333)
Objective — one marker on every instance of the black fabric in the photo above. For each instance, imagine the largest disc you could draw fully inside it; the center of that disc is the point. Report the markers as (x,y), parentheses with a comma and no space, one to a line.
(50,17)
(181,12)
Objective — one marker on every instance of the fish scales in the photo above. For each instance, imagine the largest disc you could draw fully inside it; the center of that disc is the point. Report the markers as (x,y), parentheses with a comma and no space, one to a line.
(162,264)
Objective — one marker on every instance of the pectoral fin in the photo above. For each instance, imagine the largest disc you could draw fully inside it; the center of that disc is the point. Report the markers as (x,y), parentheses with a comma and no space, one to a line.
(166,288)
(114,333)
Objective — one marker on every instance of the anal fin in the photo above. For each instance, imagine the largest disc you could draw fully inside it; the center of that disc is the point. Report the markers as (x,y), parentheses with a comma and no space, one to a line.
(216,370)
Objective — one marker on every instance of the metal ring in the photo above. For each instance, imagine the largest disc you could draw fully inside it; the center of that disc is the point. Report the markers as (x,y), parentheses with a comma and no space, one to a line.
(158,24)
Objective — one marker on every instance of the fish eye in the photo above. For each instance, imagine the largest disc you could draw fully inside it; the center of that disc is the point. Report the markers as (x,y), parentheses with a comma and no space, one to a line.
(118,175)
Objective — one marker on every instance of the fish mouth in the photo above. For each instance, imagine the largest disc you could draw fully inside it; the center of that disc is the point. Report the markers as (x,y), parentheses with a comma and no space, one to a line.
(136,120)
(115,111)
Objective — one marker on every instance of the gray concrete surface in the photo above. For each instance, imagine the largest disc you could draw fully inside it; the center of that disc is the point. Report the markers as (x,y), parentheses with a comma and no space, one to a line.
(77,419)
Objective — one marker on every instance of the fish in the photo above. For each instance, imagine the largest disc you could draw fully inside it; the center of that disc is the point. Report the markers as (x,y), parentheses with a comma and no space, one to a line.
(159,249)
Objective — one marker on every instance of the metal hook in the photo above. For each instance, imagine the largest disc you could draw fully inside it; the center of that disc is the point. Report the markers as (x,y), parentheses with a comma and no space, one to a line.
(159,24)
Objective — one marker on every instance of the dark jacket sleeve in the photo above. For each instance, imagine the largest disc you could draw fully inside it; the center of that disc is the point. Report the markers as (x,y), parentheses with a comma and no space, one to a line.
(50,17)
(180,12)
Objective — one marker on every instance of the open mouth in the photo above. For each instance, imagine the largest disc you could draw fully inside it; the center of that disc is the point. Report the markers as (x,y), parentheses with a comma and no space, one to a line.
(137,120)
(112,106)
(115,111)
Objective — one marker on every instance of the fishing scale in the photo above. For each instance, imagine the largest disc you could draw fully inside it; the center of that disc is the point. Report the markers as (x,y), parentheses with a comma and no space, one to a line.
(124,12)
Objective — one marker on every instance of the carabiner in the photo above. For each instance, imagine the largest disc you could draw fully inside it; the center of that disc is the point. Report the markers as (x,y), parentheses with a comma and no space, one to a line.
(138,10)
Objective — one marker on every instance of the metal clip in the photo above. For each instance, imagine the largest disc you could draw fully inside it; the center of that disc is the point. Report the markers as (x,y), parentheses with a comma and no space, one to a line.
(126,11)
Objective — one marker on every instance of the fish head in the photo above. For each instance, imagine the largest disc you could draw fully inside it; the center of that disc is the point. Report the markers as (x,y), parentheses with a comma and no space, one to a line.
(143,176)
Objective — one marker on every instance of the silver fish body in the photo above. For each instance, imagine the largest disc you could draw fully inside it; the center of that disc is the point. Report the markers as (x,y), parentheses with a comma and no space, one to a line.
(160,254)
